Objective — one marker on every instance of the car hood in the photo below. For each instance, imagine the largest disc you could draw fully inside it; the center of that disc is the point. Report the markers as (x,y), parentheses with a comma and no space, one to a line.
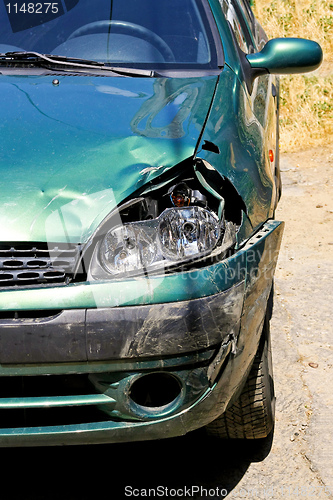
(75,147)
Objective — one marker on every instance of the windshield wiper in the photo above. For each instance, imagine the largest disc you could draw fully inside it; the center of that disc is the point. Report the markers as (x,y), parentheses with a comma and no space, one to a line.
(47,60)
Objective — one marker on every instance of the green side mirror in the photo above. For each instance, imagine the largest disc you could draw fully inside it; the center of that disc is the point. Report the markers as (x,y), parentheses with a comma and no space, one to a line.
(287,56)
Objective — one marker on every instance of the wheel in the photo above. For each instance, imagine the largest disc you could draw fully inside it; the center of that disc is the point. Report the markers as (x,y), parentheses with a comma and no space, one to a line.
(125,27)
(252,415)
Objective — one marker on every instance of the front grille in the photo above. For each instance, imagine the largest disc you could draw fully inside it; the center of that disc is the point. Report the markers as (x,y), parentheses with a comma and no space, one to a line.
(25,264)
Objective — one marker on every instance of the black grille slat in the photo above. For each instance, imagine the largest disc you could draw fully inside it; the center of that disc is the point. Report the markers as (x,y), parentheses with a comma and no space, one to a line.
(24,264)
(38,262)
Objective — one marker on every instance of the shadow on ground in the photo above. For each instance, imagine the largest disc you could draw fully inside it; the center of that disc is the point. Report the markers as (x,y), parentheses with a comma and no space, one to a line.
(132,469)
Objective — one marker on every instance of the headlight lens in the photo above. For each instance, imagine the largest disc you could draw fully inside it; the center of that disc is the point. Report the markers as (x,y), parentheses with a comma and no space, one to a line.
(188,232)
(127,248)
(177,235)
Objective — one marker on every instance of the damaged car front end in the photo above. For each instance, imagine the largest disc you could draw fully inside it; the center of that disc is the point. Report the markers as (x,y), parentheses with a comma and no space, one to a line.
(138,239)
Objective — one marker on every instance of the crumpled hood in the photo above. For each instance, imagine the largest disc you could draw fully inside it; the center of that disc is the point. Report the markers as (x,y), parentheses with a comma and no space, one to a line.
(70,152)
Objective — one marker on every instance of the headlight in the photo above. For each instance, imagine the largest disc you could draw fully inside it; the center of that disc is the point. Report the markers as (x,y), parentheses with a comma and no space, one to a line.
(127,248)
(177,235)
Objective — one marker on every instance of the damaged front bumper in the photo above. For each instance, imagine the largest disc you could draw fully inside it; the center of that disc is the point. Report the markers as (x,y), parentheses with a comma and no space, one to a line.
(162,355)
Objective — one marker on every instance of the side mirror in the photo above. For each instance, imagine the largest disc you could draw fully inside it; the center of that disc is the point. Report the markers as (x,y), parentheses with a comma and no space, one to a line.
(286,56)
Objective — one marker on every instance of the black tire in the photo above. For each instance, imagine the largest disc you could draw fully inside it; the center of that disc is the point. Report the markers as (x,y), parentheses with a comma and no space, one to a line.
(252,415)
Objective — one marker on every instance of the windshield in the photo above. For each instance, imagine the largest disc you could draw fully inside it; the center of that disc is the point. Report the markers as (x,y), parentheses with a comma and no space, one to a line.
(142,33)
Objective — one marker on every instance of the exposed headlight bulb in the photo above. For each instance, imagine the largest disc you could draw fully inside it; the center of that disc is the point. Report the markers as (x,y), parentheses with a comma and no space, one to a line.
(181,195)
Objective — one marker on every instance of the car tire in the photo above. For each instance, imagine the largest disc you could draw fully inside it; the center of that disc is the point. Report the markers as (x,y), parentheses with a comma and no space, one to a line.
(252,415)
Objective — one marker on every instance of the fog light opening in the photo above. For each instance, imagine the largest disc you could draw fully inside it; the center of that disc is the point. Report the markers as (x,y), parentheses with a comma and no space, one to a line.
(155,390)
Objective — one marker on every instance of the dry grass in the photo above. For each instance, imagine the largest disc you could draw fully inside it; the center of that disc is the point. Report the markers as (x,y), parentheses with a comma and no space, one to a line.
(306,100)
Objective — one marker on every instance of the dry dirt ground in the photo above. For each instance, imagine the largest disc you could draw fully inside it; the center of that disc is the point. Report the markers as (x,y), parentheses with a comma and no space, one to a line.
(298,462)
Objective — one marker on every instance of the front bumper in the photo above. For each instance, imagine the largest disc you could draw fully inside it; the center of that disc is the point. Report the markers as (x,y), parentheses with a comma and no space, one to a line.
(202,328)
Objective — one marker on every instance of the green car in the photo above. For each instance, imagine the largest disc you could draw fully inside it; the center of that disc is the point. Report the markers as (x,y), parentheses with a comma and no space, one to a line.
(140,175)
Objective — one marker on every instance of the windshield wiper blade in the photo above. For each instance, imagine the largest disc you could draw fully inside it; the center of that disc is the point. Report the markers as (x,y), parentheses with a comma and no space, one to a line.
(36,57)
(123,71)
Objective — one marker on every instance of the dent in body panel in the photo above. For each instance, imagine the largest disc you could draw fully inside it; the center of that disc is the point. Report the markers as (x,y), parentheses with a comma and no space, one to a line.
(243,158)
(67,164)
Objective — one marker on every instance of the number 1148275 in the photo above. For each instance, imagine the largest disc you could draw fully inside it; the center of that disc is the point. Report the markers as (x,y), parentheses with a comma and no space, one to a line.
(33,8)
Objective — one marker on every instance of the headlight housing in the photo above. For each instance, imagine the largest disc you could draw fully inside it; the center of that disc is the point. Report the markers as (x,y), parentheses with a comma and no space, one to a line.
(177,235)
(182,218)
